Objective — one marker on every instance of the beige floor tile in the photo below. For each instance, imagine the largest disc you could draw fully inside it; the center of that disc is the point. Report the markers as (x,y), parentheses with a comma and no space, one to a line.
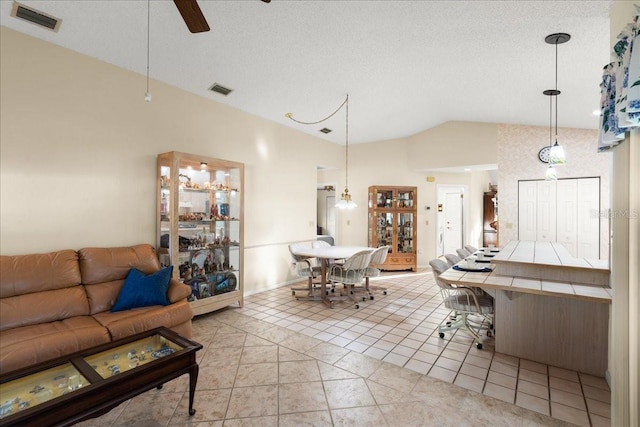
(569,414)
(214,377)
(421,414)
(451,364)
(395,359)
(259,354)
(302,397)
(228,340)
(270,421)
(253,340)
(533,377)
(329,372)
(533,366)
(565,385)
(506,359)
(418,366)
(348,393)
(597,382)
(597,394)
(568,399)
(314,418)
(383,394)
(210,405)
(487,411)
(395,377)
(533,389)
(298,371)
(253,401)
(474,371)
(504,368)
(365,416)
(330,353)
(565,374)
(285,355)
(599,408)
(222,356)
(470,383)
(532,403)
(256,374)
(481,362)
(499,392)
(358,364)
(442,374)
(502,379)
(598,421)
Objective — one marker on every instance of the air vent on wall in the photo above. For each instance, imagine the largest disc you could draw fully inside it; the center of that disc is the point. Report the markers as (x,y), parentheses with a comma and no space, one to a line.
(35,17)
(220,89)
(325,130)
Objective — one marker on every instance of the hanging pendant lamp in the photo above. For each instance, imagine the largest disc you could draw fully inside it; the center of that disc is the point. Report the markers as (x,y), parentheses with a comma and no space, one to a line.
(557,155)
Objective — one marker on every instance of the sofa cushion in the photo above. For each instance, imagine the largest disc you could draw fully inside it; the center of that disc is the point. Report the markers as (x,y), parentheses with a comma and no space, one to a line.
(28,345)
(25,274)
(104,270)
(141,290)
(98,265)
(45,306)
(122,324)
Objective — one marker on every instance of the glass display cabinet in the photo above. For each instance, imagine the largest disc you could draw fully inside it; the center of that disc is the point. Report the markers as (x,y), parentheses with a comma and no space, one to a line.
(200,227)
(392,222)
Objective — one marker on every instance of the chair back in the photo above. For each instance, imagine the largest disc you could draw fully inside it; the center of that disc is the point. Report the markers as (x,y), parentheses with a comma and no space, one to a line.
(438,267)
(358,261)
(452,259)
(471,249)
(379,256)
(463,253)
(320,244)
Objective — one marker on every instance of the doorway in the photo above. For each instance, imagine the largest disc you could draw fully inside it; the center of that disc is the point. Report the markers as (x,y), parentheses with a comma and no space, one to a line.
(451,211)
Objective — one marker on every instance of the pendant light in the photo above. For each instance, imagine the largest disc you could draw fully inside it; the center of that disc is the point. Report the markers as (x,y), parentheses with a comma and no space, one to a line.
(557,156)
(345,199)
(550,174)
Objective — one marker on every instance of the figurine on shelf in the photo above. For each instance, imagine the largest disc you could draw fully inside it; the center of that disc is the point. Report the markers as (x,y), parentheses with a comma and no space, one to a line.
(214,211)
(218,258)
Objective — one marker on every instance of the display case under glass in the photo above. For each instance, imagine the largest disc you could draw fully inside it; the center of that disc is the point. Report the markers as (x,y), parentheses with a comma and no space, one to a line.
(392,222)
(200,230)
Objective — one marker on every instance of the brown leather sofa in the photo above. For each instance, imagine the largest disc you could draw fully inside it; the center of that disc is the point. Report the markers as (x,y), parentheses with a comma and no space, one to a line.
(58,303)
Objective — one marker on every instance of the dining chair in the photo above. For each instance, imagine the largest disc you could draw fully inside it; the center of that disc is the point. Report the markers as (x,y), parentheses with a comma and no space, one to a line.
(471,249)
(378,257)
(465,302)
(305,267)
(463,253)
(351,273)
(452,259)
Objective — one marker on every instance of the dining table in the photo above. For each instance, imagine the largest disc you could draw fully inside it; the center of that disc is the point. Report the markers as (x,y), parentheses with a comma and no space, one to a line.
(326,254)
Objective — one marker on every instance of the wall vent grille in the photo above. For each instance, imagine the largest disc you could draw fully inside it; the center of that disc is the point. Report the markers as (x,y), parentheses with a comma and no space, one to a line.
(218,88)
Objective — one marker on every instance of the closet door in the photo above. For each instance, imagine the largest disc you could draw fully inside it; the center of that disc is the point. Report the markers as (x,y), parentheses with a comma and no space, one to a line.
(588,218)
(567,214)
(546,211)
(527,203)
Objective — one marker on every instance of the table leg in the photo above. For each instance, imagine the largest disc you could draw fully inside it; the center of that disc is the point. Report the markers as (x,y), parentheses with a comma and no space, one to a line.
(193,379)
(323,283)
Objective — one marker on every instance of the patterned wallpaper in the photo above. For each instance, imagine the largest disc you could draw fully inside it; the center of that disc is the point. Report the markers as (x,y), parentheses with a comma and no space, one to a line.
(518,148)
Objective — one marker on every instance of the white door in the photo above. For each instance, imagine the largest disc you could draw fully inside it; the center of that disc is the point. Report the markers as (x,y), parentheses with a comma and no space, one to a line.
(450,219)
(527,210)
(546,211)
(588,220)
(567,215)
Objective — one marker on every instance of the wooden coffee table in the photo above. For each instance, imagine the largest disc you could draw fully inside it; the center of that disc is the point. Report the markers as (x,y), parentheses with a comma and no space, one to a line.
(90,383)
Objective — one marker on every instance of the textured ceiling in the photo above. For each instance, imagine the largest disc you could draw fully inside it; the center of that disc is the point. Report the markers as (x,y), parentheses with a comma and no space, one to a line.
(407,65)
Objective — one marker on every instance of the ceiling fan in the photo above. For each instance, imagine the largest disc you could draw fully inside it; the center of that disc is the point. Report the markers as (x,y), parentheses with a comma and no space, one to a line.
(193,16)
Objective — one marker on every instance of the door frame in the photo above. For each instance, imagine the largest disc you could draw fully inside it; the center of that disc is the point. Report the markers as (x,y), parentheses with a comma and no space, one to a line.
(464,190)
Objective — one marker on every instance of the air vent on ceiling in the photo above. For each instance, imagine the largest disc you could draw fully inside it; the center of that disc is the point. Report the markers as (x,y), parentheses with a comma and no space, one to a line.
(35,17)
(220,89)
(325,130)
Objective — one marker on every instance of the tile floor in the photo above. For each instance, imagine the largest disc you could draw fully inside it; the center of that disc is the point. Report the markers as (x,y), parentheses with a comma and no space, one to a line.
(283,362)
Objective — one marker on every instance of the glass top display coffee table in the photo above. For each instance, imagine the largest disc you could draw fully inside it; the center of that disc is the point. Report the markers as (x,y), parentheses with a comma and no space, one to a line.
(90,383)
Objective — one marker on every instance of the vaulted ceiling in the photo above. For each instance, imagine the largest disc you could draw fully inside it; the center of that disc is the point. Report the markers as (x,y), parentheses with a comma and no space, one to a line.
(406,65)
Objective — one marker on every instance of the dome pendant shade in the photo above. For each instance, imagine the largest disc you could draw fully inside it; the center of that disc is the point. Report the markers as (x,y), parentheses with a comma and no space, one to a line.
(551,174)
(557,156)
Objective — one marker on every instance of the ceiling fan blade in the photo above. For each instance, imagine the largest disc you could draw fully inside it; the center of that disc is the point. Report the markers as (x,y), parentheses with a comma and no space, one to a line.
(192,15)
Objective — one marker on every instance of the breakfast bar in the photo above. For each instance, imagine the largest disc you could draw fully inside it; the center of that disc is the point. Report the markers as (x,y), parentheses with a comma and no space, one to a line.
(542,312)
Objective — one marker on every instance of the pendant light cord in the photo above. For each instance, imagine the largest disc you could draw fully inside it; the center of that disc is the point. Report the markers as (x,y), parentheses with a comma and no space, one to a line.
(556,95)
(290,115)
(346,162)
(148,41)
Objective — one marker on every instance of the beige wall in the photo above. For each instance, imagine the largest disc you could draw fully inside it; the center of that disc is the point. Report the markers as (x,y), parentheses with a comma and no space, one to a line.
(518,148)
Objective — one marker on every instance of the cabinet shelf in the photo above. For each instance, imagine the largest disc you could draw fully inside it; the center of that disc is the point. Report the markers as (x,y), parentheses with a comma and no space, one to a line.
(200,227)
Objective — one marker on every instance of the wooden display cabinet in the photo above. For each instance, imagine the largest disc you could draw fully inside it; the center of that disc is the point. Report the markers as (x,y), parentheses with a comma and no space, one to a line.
(392,222)
(200,227)
(490,219)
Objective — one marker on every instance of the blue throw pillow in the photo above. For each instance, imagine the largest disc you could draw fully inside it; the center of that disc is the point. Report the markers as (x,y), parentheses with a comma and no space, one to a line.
(140,290)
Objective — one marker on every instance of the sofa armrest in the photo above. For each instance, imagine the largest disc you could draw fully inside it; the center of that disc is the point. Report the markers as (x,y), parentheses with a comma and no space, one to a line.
(177,291)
